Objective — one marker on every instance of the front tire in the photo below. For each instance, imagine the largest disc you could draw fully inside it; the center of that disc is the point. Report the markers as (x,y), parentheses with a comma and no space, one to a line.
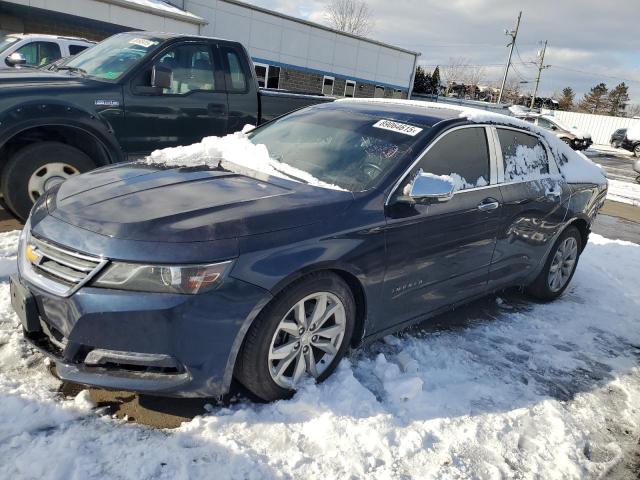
(559,267)
(37,167)
(636,150)
(305,331)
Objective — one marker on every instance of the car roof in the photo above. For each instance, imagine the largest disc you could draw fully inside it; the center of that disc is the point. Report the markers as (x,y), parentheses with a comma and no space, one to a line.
(412,111)
(46,35)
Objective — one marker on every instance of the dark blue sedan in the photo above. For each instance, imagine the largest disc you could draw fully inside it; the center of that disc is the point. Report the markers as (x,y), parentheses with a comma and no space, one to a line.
(173,280)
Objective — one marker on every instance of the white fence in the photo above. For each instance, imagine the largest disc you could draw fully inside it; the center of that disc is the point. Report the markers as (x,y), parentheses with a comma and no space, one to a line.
(599,126)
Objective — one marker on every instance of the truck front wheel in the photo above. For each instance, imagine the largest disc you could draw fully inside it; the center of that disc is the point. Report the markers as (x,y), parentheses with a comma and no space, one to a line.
(34,169)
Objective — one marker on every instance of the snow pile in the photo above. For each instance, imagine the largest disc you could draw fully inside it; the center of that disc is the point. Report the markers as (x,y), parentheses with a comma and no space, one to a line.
(574,167)
(514,389)
(233,152)
(633,133)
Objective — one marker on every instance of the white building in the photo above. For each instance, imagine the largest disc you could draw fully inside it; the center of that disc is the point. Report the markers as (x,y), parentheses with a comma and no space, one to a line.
(289,53)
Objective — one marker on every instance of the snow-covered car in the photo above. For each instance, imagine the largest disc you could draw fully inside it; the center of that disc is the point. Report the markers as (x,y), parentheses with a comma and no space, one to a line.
(627,138)
(574,137)
(265,256)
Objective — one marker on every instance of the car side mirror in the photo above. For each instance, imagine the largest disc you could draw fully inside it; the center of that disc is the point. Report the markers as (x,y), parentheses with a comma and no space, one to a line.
(161,77)
(431,187)
(16,59)
(428,187)
(553,127)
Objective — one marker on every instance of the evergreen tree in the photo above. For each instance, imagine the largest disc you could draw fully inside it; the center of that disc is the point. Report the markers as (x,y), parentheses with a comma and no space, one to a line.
(617,100)
(435,80)
(565,101)
(596,100)
(422,81)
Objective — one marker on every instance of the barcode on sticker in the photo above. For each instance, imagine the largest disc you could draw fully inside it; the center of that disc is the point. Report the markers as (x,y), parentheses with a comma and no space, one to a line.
(398,127)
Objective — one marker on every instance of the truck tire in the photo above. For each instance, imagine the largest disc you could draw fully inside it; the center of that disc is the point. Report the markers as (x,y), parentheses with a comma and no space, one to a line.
(305,331)
(37,167)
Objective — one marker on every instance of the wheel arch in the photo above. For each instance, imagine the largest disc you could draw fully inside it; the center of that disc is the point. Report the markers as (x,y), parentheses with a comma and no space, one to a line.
(346,274)
(33,122)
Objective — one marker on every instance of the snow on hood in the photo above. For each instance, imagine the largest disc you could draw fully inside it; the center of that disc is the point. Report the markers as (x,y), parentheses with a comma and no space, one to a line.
(234,152)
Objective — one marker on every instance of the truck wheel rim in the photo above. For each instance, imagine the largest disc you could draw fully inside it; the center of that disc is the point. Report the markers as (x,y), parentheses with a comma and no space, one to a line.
(48,176)
(307,339)
(563,263)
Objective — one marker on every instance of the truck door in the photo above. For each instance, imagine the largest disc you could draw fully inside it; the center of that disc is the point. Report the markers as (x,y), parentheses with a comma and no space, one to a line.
(194,107)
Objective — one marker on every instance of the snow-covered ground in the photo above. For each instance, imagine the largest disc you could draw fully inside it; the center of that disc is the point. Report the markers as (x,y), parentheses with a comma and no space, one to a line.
(625,192)
(524,390)
(607,149)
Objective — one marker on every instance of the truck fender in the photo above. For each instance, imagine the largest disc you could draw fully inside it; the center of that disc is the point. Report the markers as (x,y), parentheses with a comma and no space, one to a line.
(29,115)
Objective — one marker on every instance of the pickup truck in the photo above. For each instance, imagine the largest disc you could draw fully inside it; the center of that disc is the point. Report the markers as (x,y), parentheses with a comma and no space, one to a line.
(123,98)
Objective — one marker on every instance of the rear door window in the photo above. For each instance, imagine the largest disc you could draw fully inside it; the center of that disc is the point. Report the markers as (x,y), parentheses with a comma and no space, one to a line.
(524,155)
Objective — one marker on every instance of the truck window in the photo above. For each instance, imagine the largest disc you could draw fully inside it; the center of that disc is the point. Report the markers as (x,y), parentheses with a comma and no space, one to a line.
(75,49)
(40,53)
(192,67)
(238,77)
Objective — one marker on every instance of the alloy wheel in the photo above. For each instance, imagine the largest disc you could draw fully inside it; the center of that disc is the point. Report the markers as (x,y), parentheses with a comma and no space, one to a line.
(307,339)
(48,176)
(563,263)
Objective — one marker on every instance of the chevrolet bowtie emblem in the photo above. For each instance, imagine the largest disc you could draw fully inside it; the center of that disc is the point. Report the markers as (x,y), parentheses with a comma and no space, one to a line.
(32,255)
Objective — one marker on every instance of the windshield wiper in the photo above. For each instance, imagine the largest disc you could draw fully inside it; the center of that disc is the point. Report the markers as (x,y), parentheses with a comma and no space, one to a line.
(72,69)
(292,177)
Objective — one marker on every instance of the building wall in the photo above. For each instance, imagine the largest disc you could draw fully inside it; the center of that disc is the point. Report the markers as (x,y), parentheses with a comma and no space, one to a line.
(309,50)
(599,126)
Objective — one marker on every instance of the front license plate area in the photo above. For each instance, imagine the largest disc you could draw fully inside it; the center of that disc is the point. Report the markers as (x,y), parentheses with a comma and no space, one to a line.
(24,305)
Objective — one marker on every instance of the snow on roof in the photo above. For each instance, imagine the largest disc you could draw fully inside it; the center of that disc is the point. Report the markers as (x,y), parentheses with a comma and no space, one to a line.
(574,166)
(160,7)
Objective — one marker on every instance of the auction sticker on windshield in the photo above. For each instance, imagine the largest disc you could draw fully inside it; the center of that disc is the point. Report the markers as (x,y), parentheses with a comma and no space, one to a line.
(143,42)
(398,127)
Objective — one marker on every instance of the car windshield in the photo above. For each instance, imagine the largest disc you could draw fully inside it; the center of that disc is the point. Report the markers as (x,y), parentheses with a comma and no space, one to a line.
(112,58)
(7,41)
(352,150)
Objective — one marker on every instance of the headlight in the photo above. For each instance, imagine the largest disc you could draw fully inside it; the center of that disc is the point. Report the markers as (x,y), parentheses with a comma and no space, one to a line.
(185,279)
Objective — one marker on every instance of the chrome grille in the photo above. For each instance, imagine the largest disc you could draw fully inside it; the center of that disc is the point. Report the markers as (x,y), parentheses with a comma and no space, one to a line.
(61,265)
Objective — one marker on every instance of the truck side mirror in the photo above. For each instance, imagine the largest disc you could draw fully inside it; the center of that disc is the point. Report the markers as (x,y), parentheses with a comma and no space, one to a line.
(16,59)
(161,77)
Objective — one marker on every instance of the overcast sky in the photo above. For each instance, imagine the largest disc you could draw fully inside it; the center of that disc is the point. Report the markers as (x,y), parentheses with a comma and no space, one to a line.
(597,37)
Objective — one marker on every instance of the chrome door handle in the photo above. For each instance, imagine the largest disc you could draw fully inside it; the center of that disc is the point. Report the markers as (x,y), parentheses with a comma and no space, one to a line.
(490,205)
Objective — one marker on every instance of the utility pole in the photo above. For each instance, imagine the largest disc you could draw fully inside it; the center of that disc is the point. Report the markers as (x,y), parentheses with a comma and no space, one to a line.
(541,66)
(513,34)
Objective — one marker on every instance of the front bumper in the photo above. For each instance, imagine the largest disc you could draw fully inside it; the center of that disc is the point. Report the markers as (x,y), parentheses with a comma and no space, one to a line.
(163,344)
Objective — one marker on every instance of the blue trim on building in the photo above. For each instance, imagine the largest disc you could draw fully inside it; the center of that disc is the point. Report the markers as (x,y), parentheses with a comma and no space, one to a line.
(329,74)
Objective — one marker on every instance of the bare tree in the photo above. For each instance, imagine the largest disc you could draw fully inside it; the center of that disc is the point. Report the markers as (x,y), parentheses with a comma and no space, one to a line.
(454,71)
(351,16)
(473,75)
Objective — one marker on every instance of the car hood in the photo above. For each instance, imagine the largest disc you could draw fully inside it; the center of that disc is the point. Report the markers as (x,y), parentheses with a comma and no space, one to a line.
(580,133)
(137,201)
(28,76)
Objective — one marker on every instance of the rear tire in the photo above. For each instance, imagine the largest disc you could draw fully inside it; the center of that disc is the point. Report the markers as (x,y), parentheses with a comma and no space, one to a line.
(37,167)
(559,266)
(280,338)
